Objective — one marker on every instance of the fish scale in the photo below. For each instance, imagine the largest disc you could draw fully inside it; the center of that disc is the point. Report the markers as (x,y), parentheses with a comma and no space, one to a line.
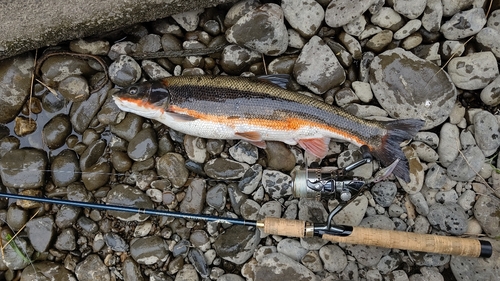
(257,110)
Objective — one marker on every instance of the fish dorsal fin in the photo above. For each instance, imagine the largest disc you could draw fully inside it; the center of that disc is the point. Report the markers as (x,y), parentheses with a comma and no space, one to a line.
(178,117)
(317,147)
(280,80)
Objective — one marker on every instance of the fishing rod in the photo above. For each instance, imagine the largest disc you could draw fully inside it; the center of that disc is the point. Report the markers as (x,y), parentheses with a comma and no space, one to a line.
(318,183)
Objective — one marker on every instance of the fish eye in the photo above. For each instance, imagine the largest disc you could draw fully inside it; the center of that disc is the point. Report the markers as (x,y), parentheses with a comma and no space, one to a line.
(133,90)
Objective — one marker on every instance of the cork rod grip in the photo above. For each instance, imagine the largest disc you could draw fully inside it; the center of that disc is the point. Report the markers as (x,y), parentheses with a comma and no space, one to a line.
(284,227)
(415,242)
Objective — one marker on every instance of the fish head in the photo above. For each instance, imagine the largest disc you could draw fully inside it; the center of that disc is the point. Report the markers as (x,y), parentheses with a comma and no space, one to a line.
(148,99)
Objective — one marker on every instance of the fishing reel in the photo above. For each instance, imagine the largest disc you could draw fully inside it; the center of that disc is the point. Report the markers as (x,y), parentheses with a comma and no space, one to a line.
(329,182)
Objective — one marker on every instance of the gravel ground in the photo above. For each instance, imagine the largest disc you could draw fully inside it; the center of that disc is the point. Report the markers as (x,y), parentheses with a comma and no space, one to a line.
(394,60)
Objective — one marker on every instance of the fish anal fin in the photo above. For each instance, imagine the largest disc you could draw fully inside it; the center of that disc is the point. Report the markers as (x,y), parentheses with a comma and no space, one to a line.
(181,117)
(259,144)
(250,136)
(317,147)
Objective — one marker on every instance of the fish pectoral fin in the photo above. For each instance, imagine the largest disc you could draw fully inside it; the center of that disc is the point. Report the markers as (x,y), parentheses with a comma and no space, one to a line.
(317,147)
(181,117)
(259,144)
(250,136)
(280,80)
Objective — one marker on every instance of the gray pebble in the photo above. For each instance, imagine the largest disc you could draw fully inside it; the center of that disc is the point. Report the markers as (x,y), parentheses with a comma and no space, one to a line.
(66,241)
(149,250)
(425,152)
(409,9)
(486,212)
(466,166)
(428,138)
(149,44)
(270,209)
(466,268)
(171,166)
(235,59)
(245,239)
(487,39)
(340,13)
(198,261)
(305,16)
(448,217)
(154,70)
(195,197)
(312,261)
(420,204)
(384,193)
(188,20)
(449,144)
(244,152)
(92,268)
(291,248)
(125,195)
(352,45)
(143,146)
(402,96)
(389,263)
(65,168)
(448,196)
(353,213)
(395,210)
(83,113)
(276,184)
(486,132)
(274,264)
(115,242)
(408,29)
(464,24)
(279,156)
(380,41)
(92,154)
(325,74)
(67,216)
(431,19)
(333,257)
(474,71)
(356,26)
(490,95)
(221,168)
(270,36)
(96,176)
(238,10)
(13,169)
(387,18)
(467,199)
(56,68)
(124,71)
(74,88)
(94,47)
(216,196)
(55,132)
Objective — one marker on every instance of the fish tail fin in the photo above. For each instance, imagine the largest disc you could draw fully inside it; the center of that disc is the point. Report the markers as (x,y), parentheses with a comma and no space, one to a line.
(389,149)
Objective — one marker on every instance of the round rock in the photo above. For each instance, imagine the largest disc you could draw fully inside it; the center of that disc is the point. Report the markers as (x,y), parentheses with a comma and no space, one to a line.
(397,78)
(339,13)
(486,212)
(221,168)
(486,132)
(277,184)
(245,239)
(124,71)
(304,16)
(262,30)
(125,195)
(65,168)
(23,168)
(474,71)
(74,88)
(322,75)
(143,146)
(172,167)
(464,24)
(448,217)
(55,132)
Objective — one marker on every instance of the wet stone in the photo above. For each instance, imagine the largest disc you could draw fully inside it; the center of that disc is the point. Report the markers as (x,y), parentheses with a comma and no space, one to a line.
(83,113)
(171,166)
(244,152)
(276,184)
(58,67)
(235,59)
(24,126)
(466,165)
(149,44)
(195,197)
(216,196)
(272,266)
(340,13)
(384,193)
(143,146)
(124,71)
(74,88)
(129,127)
(92,154)
(323,75)
(65,168)
(251,179)
(305,16)
(67,216)
(262,30)
(16,217)
(66,241)
(197,259)
(486,212)
(238,10)
(15,81)
(188,20)
(125,195)
(23,168)
(96,176)
(279,156)
(149,250)
(121,48)
(196,148)
(48,269)
(464,24)
(448,217)
(95,47)
(474,71)
(249,210)
(115,242)
(402,96)
(87,225)
(131,270)
(92,268)
(236,197)
(245,239)
(221,168)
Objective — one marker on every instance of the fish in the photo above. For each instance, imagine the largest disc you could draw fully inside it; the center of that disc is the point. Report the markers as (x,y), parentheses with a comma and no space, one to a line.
(259,109)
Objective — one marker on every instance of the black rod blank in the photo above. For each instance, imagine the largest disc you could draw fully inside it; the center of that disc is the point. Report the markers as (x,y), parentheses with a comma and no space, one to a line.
(107,207)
